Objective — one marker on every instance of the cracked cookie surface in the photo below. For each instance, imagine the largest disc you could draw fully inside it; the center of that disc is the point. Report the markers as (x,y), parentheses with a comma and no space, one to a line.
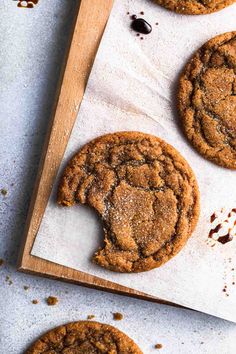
(207,100)
(84,338)
(194,7)
(145,193)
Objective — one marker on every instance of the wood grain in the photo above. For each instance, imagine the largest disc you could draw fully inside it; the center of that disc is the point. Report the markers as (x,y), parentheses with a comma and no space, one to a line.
(88,30)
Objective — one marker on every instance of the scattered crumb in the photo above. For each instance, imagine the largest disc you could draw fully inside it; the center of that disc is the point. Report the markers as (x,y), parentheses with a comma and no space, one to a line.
(1,262)
(158,346)
(117,316)
(52,300)
(141,13)
(202,343)
(8,280)
(35,302)
(90,317)
(157,23)
(3,191)
(26,287)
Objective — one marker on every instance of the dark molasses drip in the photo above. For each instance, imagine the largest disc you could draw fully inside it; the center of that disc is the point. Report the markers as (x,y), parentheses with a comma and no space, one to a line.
(213,217)
(224,239)
(27,3)
(215,230)
(141,26)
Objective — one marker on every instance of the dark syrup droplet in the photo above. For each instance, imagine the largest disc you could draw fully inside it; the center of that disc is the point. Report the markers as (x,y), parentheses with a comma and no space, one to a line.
(224,239)
(133,17)
(141,26)
(215,230)
(213,217)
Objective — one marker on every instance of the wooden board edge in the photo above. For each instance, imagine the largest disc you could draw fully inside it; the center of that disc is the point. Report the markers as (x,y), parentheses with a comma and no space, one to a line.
(31,230)
(95,283)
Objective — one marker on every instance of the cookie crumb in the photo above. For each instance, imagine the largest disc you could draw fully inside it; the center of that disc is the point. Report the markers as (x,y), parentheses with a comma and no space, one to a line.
(35,301)
(4,191)
(26,287)
(158,346)
(52,300)
(117,316)
(1,262)
(90,317)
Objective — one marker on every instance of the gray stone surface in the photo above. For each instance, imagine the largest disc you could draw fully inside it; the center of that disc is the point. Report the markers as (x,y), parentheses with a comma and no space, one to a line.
(32,45)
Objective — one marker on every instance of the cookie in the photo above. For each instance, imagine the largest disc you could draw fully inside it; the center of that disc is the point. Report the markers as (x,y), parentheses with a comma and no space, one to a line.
(84,338)
(207,100)
(145,193)
(194,7)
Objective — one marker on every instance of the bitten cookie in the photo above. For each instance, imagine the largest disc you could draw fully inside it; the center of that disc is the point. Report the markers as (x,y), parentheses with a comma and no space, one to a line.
(84,338)
(145,193)
(207,100)
(194,7)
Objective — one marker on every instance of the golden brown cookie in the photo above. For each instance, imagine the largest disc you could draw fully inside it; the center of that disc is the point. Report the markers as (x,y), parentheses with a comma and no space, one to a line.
(207,100)
(195,7)
(84,338)
(145,193)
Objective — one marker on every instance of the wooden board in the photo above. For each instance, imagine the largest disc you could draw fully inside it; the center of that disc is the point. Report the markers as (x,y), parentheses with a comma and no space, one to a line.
(88,30)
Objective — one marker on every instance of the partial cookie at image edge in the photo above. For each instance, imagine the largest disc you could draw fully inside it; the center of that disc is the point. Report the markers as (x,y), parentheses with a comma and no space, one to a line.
(85,337)
(207,100)
(195,7)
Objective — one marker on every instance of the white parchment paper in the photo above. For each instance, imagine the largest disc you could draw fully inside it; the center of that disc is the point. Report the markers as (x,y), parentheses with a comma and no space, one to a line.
(132,87)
